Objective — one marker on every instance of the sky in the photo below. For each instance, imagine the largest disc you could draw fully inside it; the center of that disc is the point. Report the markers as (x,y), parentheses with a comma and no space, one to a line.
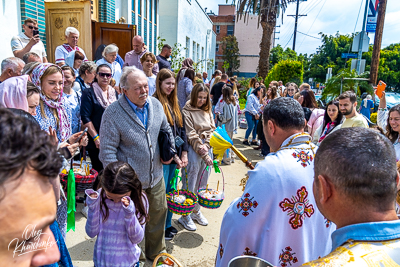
(327,16)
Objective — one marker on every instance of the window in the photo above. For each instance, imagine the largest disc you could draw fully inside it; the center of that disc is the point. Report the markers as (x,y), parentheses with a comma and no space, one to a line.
(145,8)
(217,29)
(194,52)
(151,10)
(230,30)
(202,57)
(217,48)
(155,12)
(216,65)
(140,7)
(187,47)
(198,52)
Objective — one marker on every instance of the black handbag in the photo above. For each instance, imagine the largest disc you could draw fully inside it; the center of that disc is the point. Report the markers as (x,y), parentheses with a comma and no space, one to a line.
(167,152)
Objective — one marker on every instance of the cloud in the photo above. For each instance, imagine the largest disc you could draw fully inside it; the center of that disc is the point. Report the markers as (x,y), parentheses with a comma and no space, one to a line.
(330,17)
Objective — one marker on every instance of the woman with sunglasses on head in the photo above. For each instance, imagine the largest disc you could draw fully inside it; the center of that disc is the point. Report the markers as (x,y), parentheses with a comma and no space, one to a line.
(93,103)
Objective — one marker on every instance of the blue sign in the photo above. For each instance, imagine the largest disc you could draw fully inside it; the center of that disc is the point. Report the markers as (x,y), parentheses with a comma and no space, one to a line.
(349,55)
(372,16)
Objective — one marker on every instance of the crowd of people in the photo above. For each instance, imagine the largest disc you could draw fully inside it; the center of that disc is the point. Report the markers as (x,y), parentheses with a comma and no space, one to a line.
(321,121)
(306,191)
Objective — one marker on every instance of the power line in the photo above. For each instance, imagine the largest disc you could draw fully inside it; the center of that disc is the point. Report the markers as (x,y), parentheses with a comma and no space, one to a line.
(313,22)
(355,26)
(358,16)
(288,41)
(309,35)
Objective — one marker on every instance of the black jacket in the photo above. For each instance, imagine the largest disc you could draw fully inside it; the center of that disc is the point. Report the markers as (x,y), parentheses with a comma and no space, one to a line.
(181,132)
(91,111)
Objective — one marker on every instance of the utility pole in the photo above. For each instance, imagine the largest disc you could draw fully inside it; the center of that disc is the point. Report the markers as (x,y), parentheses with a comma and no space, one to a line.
(360,45)
(295,24)
(376,53)
(275,32)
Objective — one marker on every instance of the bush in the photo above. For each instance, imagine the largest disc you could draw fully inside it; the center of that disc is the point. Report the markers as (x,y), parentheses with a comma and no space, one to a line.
(374,117)
(242,103)
(286,71)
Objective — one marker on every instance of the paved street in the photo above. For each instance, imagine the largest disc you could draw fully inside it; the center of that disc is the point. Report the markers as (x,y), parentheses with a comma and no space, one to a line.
(192,249)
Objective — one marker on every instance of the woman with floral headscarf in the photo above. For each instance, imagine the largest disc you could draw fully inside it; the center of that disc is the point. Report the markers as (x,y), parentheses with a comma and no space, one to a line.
(54,117)
(52,113)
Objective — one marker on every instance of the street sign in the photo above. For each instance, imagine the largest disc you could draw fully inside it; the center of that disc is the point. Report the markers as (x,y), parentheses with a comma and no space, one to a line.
(356,42)
(349,55)
(372,15)
(354,65)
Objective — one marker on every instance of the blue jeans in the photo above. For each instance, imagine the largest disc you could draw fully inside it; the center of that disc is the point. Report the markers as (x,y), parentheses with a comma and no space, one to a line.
(251,126)
(169,172)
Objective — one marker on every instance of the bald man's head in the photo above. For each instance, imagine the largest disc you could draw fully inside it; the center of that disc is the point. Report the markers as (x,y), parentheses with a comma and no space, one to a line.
(138,44)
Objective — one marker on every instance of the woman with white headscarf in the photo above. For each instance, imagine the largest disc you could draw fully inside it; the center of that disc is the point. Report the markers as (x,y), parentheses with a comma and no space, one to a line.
(366,106)
(110,53)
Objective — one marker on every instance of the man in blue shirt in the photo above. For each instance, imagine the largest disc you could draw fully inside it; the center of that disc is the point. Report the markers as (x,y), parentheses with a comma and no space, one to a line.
(162,58)
(129,132)
(355,187)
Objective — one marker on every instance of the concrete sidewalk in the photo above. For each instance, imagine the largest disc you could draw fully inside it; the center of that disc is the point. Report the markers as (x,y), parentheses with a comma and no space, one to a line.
(192,249)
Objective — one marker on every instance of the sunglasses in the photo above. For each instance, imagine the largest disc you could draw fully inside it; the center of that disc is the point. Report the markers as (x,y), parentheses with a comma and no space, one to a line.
(33,28)
(107,75)
(290,90)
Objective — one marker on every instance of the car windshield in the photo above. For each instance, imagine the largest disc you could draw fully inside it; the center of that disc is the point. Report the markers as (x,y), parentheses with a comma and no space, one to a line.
(393,98)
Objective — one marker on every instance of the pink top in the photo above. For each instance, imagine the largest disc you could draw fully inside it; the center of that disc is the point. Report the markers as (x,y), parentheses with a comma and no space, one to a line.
(316,120)
(13,93)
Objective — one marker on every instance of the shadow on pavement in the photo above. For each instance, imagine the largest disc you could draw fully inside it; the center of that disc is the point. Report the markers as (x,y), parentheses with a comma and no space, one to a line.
(185,240)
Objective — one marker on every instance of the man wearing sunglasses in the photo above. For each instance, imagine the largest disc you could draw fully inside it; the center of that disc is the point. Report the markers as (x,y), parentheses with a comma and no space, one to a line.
(28,41)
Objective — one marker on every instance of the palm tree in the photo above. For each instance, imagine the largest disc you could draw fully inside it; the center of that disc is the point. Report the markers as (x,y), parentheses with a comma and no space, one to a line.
(267,14)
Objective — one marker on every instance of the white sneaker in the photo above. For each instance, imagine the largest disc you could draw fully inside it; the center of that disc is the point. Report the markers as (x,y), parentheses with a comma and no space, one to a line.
(188,223)
(85,211)
(199,218)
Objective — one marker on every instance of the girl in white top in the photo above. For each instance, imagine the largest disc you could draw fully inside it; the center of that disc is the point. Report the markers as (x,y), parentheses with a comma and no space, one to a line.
(389,121)
(148,61)
(109,56)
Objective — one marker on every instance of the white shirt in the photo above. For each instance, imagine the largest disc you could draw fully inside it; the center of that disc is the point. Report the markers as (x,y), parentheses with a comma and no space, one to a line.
(276,218)
(152,84)
(115,68)
(21,40)
(382,122)
(63,50)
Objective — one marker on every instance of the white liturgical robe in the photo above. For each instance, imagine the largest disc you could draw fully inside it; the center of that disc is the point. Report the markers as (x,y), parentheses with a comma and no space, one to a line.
(276,218)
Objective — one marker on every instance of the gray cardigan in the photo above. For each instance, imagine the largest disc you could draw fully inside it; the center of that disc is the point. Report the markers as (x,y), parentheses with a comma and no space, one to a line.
(124,138)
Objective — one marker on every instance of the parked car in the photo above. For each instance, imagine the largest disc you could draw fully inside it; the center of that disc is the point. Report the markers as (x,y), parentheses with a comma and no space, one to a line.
(392,99)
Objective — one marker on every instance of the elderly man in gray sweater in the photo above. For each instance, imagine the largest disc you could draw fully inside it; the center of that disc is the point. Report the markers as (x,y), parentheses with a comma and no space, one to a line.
(129,132)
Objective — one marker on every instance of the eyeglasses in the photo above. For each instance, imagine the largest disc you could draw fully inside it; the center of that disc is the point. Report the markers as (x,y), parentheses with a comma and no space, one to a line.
(107,75)
(33,28)
(291,90)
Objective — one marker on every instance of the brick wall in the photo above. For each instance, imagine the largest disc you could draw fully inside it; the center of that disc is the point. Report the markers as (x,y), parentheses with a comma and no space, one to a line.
(222,22)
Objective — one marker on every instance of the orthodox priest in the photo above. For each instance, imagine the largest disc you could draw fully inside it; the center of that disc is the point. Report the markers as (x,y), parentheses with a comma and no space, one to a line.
(276,218)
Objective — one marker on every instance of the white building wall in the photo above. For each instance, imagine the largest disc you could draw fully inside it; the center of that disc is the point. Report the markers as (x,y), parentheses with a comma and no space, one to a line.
(182,19)
(249,37)
(10,19)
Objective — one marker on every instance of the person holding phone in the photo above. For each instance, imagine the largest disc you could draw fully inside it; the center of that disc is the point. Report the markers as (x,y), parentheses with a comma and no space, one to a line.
(29,41)
(166,93)
(389,121)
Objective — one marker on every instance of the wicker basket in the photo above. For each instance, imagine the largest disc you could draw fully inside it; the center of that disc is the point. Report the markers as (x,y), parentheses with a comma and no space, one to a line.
(211,203)
(181,209)
(81,182)
(168,256)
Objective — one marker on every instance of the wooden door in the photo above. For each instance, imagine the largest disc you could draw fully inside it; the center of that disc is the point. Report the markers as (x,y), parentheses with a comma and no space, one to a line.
(59,16)
(109,33)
